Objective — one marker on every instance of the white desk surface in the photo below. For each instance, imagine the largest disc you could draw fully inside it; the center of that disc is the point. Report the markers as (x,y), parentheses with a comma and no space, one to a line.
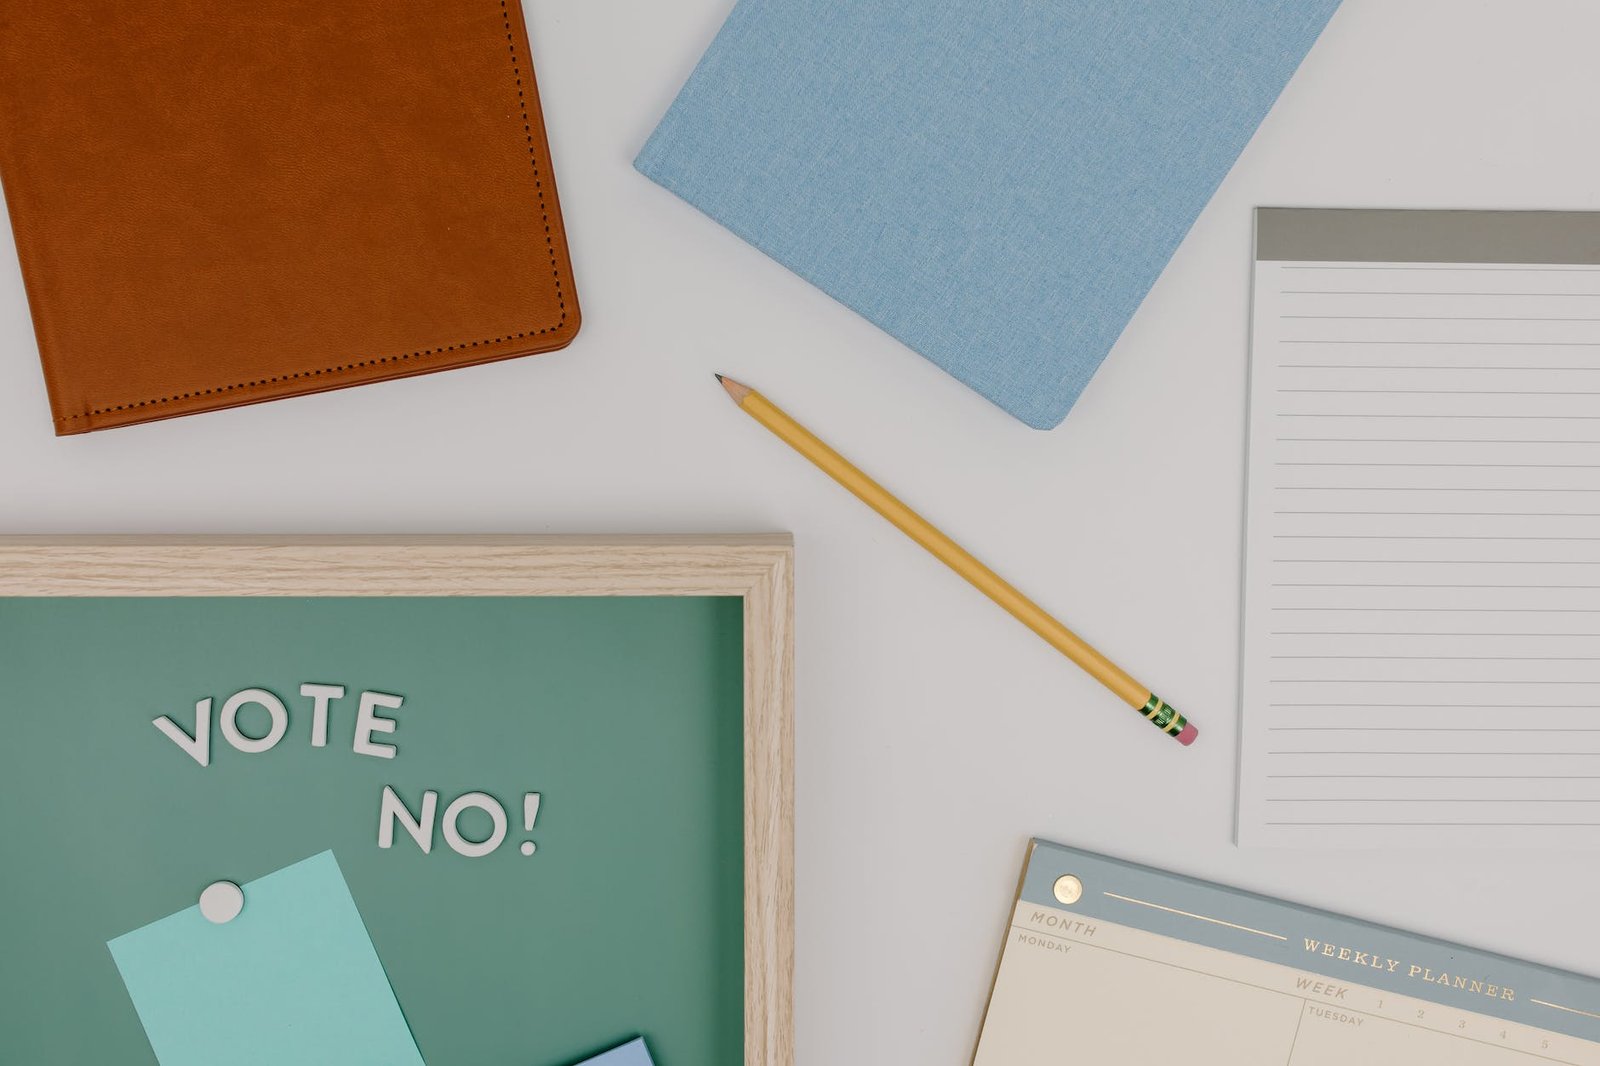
(935,735)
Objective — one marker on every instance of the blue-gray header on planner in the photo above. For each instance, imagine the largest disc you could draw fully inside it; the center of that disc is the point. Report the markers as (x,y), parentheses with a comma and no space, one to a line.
(1316,941)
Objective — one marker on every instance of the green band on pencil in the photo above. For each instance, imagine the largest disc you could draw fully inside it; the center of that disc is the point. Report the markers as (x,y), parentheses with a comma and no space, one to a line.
(1164,715)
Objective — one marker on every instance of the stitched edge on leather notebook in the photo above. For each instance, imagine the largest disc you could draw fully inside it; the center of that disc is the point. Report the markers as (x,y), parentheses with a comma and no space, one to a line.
(64,421)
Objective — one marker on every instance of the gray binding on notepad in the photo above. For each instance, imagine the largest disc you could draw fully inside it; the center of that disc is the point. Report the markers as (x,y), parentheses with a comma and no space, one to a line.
(1382,236)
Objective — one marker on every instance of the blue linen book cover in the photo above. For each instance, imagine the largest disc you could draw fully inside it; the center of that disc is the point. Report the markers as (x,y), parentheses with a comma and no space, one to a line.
(996,183)
(633,1053)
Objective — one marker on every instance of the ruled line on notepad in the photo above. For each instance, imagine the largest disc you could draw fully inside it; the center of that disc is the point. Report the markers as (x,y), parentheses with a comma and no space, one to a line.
(1430,292)
(1386,585)
(1453,706)
(1436,777)
(1413,415)
(1416,633)
(1495,440)
(1449,343)
(1378,587)
(1412,753)
(1456,514)
(1436,825)
(1445,466)
(1410,536)
(1432,729)
(1445,562)
(1423,367)
(1417,681)
(1439,392)
(1447,610)
(1454,658)
(1422,488)
(1434,318)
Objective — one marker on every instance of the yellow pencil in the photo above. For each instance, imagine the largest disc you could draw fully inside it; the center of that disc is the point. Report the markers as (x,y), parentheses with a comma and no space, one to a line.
(961,561)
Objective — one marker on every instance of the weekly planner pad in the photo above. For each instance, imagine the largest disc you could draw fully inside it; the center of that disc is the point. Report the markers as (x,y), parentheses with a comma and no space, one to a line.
(1422,572)
(1105,961)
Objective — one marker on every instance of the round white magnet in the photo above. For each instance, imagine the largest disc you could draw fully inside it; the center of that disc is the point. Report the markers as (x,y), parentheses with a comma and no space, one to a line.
(221,902)
(1068,889)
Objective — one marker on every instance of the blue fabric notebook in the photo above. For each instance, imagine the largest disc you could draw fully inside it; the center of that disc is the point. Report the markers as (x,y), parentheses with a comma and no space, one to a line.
(633,1053)
(996,183)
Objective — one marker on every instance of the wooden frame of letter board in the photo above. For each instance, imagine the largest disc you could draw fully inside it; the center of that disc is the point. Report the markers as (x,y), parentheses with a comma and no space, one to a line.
(758,568)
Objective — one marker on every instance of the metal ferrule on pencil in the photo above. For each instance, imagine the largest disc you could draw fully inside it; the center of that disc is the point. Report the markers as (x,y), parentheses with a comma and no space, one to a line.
(1164,715)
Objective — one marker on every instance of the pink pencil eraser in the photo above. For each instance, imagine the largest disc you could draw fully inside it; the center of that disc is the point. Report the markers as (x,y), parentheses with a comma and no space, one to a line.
(1189,733)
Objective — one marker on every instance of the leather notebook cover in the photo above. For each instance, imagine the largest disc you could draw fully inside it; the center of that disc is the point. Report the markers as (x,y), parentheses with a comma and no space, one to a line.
(220,203)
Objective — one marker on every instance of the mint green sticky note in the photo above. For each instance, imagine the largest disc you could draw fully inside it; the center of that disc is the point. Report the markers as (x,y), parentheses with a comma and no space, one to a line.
(293,980)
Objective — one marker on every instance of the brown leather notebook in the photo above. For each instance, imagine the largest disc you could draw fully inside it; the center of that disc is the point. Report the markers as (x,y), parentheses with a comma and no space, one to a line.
(217,203)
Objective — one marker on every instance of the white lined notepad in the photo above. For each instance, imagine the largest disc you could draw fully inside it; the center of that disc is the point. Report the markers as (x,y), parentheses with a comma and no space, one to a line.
(1421,658)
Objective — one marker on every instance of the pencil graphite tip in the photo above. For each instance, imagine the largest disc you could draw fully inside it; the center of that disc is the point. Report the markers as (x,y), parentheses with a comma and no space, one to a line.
(733,388)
